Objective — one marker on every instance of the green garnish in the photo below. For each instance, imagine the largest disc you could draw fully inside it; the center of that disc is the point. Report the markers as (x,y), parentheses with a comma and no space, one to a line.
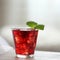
(32,24)
(35,25)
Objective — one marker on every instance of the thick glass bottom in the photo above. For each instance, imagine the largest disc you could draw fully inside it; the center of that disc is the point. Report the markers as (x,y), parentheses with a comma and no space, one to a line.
(24,56)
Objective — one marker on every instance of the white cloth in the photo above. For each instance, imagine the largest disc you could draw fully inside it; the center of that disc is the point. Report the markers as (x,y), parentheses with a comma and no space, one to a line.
(4,46)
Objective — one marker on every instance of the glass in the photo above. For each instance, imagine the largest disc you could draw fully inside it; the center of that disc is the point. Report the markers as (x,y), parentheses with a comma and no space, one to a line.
(25,41)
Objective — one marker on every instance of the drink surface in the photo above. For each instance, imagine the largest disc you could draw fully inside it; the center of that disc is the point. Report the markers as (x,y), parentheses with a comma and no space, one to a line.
(25,41)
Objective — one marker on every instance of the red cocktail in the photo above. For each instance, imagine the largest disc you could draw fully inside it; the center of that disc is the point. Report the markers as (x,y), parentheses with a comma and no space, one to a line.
(25,41)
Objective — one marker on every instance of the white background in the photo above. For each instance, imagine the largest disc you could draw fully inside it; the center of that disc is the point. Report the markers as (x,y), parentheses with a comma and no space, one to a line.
(47,12)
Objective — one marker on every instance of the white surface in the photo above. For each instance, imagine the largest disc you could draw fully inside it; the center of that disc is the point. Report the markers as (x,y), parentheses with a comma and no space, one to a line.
(44,55)
(39,55)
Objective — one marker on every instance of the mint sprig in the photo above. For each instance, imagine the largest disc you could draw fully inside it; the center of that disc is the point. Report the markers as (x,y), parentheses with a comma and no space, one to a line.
(32,24)
(35,25)
(41,27)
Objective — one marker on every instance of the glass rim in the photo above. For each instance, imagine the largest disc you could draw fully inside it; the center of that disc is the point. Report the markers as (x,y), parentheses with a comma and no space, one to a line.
(22,28)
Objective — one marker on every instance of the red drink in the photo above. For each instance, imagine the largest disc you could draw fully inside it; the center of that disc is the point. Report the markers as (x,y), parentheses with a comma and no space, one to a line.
(25,41)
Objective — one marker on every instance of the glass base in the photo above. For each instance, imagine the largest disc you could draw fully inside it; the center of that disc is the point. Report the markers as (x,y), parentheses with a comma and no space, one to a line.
(24,56)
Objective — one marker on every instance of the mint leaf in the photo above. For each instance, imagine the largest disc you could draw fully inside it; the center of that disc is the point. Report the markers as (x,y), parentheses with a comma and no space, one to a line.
(31,24)
(41,27)
(35,25)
